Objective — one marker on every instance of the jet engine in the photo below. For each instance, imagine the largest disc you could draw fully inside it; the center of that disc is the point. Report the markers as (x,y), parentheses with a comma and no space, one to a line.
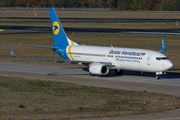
(98,69)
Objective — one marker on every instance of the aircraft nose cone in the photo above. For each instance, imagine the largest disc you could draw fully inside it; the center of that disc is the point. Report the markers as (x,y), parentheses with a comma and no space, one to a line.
(169,65)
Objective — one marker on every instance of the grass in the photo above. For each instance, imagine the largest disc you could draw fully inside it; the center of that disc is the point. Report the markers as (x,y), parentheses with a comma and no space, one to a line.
(130,41)
(43,100)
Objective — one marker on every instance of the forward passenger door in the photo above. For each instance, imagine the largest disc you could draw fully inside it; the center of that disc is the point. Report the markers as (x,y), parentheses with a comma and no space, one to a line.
(149,59)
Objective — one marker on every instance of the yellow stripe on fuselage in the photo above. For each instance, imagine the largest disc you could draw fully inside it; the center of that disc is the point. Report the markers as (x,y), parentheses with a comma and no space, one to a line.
(69,51)
(72,43)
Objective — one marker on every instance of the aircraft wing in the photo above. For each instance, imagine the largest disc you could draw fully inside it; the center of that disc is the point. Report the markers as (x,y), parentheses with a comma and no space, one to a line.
(56,60)
(39,46)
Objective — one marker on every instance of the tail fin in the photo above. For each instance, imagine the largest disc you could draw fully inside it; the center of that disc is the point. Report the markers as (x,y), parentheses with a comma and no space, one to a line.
(59,35)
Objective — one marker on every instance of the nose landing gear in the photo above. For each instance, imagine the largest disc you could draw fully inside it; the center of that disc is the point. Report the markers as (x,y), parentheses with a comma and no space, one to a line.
(158,74)
(158,77)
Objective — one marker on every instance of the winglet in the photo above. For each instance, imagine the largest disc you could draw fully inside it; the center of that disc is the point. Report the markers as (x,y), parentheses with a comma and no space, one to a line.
(163,46)
(12,53)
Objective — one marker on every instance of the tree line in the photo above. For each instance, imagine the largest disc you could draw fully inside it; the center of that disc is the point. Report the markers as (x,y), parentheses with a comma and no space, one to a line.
(154,5)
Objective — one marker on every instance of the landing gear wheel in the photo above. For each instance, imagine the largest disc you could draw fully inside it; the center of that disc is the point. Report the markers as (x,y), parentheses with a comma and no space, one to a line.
(158,77)
(118,72)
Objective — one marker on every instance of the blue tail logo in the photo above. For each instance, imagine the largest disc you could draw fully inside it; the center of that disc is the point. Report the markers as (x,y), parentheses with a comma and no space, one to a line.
(56,27)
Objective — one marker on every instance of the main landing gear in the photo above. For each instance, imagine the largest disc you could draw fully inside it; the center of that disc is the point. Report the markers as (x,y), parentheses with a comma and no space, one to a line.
(118,72)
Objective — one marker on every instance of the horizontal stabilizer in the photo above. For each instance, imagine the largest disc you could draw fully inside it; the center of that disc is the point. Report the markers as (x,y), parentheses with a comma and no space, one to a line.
(39,46)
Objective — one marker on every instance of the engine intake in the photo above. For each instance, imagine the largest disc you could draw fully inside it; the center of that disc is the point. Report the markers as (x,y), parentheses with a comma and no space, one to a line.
(98,69)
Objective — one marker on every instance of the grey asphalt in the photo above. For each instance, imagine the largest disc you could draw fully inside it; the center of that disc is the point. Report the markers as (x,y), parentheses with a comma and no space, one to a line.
(169,84)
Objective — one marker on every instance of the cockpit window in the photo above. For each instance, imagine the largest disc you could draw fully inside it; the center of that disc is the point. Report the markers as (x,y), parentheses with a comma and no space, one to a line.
(162,58)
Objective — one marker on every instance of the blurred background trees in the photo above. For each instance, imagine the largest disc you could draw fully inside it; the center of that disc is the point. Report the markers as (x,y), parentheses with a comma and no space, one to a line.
(169,5)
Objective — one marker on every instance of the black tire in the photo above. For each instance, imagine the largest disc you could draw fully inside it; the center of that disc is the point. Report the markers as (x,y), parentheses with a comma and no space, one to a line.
(158,77)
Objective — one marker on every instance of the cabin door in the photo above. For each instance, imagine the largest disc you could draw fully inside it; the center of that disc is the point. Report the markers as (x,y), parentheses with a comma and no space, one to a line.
(149,60)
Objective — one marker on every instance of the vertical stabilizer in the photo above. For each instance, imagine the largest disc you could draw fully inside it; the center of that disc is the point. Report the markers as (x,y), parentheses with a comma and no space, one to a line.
(59,35)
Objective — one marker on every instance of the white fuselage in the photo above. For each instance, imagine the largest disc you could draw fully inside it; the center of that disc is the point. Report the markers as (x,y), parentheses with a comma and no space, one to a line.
(121,58)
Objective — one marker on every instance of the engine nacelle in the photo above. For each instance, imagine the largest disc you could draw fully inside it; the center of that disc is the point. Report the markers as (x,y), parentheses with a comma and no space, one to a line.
(98,69)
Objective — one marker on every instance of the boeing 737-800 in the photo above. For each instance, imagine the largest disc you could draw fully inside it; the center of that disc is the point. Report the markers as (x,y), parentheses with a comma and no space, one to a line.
(101,59)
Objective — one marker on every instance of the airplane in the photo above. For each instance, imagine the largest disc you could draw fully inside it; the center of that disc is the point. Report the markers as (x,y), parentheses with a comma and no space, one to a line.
(101,59)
